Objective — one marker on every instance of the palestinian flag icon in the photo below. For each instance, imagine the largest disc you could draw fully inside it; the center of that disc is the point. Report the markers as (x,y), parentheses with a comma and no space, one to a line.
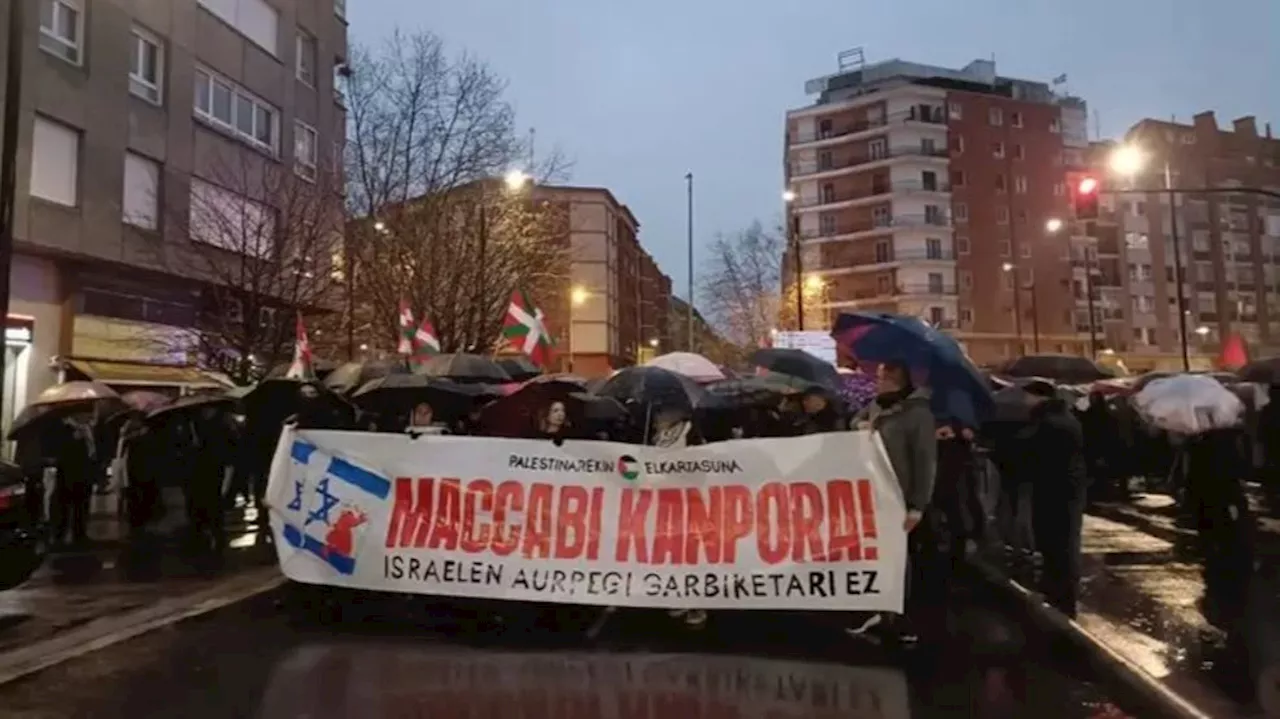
(524,328)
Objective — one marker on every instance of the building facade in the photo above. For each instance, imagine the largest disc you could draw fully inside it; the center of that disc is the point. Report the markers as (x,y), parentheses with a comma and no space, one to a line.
(1229,242)
(123,103)
(928,191)
(621,314)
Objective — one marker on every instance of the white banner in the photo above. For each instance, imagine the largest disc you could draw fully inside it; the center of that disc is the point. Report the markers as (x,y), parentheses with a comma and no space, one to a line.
(798,523)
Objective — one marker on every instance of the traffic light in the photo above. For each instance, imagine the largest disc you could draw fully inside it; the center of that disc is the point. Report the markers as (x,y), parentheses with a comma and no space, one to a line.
(1085,198)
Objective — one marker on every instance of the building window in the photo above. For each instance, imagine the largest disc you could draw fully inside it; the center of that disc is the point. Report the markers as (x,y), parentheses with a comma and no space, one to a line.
(957,144)
(966,279)
(960,212)
(962,245)
(62,29)
(305,47)
(966,316)
(146,66)
(1015,119)
(997,150)
(1002,215)
(230,221)
(1055,125)
(1059,189)
(995,116)
(1005,249)
(305,146)
(232,109)
(55,162)
(141,192)
(1019,153)
(1000,183)
(826,224)
(883,253)
(255,19)
(339,82)
(1020,184)
(1024,249)
(957,178)
(936,314)
(955,111)
(933,248)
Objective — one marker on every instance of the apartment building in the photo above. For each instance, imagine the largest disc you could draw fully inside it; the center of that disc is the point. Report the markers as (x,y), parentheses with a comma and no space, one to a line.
(1229,243)
(622,309)
(125,108)
(929,191)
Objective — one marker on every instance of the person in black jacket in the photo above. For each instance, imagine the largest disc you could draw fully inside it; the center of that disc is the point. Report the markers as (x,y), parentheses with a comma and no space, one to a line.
(1055,444)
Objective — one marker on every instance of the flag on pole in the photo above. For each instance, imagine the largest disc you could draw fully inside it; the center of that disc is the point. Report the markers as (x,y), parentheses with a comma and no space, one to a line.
(524,328)
(1060,80)
(406,330)
(425,343)
(301,368)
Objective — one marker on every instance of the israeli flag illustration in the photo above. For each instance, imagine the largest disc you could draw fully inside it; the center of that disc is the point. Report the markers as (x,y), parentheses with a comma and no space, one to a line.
(327,512)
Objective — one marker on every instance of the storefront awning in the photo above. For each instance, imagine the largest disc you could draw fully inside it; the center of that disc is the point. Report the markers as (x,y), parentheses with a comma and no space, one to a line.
(136,374)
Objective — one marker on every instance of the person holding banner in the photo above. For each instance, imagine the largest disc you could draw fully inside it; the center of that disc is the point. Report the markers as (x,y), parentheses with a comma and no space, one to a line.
(901,415)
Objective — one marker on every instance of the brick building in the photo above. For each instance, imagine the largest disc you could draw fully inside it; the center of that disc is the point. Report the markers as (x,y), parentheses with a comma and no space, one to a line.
(623,315)
(927,191)
(1229,243)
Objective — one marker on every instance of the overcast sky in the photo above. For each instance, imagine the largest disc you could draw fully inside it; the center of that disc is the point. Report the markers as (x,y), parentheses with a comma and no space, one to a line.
(637,93)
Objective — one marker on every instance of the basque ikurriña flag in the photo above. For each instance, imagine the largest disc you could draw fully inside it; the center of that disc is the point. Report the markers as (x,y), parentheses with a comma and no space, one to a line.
(326,516)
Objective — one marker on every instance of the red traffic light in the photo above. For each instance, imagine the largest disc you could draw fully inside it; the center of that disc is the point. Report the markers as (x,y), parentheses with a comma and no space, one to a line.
(1087,186)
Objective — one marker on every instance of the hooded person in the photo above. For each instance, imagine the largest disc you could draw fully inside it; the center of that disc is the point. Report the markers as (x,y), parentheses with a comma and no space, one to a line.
(901,415)
(1054,445)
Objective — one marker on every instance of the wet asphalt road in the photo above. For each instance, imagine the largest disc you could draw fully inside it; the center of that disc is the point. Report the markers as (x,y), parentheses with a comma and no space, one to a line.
(254,660)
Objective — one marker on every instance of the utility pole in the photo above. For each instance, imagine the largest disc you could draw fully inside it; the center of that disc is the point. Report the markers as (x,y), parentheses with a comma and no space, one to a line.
(1177,267)
(688,178)
(799,275)
(9,156)
(1088,289)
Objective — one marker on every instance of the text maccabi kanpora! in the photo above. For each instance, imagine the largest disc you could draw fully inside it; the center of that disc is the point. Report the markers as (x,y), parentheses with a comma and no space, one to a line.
(781,522)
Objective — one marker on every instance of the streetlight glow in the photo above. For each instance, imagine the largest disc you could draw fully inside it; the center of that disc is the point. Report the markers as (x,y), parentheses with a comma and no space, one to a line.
(380,226)
(1202,330)
(578,296)
(1053,225)
(1007,267)
(788,196)
(813,283)
(653,343)
(1127,160)
(516,179)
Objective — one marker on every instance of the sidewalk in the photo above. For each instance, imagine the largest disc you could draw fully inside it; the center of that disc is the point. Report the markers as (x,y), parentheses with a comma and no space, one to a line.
(72,590)
(1140,600)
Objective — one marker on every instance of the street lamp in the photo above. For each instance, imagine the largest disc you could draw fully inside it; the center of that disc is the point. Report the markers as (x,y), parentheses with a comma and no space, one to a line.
(1129,160)
(1053,225)
(577,297)
(788,196)
(516,180)
(1017,307)
(654,343)
(793,239)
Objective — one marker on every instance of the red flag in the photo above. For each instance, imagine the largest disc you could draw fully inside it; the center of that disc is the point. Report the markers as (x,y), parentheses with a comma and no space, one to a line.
(1235,353)
(301,368)
(425,343)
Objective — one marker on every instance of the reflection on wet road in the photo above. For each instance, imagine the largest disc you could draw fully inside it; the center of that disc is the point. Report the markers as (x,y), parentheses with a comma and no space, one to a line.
(251,661)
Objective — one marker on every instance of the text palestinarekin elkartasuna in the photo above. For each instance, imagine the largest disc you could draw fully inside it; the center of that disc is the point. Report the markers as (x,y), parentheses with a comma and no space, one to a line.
(792,539)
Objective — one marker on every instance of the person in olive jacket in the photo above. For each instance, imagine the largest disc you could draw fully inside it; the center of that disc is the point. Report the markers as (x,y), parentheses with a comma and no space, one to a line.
(901,415)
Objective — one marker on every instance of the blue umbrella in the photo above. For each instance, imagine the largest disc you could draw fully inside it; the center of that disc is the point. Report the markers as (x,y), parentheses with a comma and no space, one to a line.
(960,393)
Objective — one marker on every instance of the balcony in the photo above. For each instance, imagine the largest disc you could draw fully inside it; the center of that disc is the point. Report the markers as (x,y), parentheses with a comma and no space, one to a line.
(878,189)
(937,116)
(808,170)
(877,226)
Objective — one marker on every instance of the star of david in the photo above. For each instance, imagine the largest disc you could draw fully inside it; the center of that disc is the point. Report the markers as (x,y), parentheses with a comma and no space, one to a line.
(327,503)
(295,505)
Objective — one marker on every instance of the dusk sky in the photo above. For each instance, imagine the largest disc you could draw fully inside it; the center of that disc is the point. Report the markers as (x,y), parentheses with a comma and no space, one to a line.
(636,94)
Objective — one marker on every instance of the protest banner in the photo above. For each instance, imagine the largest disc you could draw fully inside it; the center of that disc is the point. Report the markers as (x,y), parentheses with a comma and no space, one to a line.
(376,680)
(800,523)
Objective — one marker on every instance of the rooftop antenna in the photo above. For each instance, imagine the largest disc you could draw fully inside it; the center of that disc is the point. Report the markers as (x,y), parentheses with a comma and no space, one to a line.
(1097,125)
(851,60)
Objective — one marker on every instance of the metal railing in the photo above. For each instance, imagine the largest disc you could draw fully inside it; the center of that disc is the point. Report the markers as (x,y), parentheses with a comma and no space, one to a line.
(881,223)
(875,190)
(812,168)
(938,116)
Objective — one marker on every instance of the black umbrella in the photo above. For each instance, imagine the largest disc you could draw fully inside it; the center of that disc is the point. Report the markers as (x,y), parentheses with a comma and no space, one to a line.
(1013,402)
(657,387)
(399,392)
(1067,369)
(519,367)
(1263,371)
(798,363)
(464,368)
(761,391)
(66,399)
(191,403)
(354,375)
